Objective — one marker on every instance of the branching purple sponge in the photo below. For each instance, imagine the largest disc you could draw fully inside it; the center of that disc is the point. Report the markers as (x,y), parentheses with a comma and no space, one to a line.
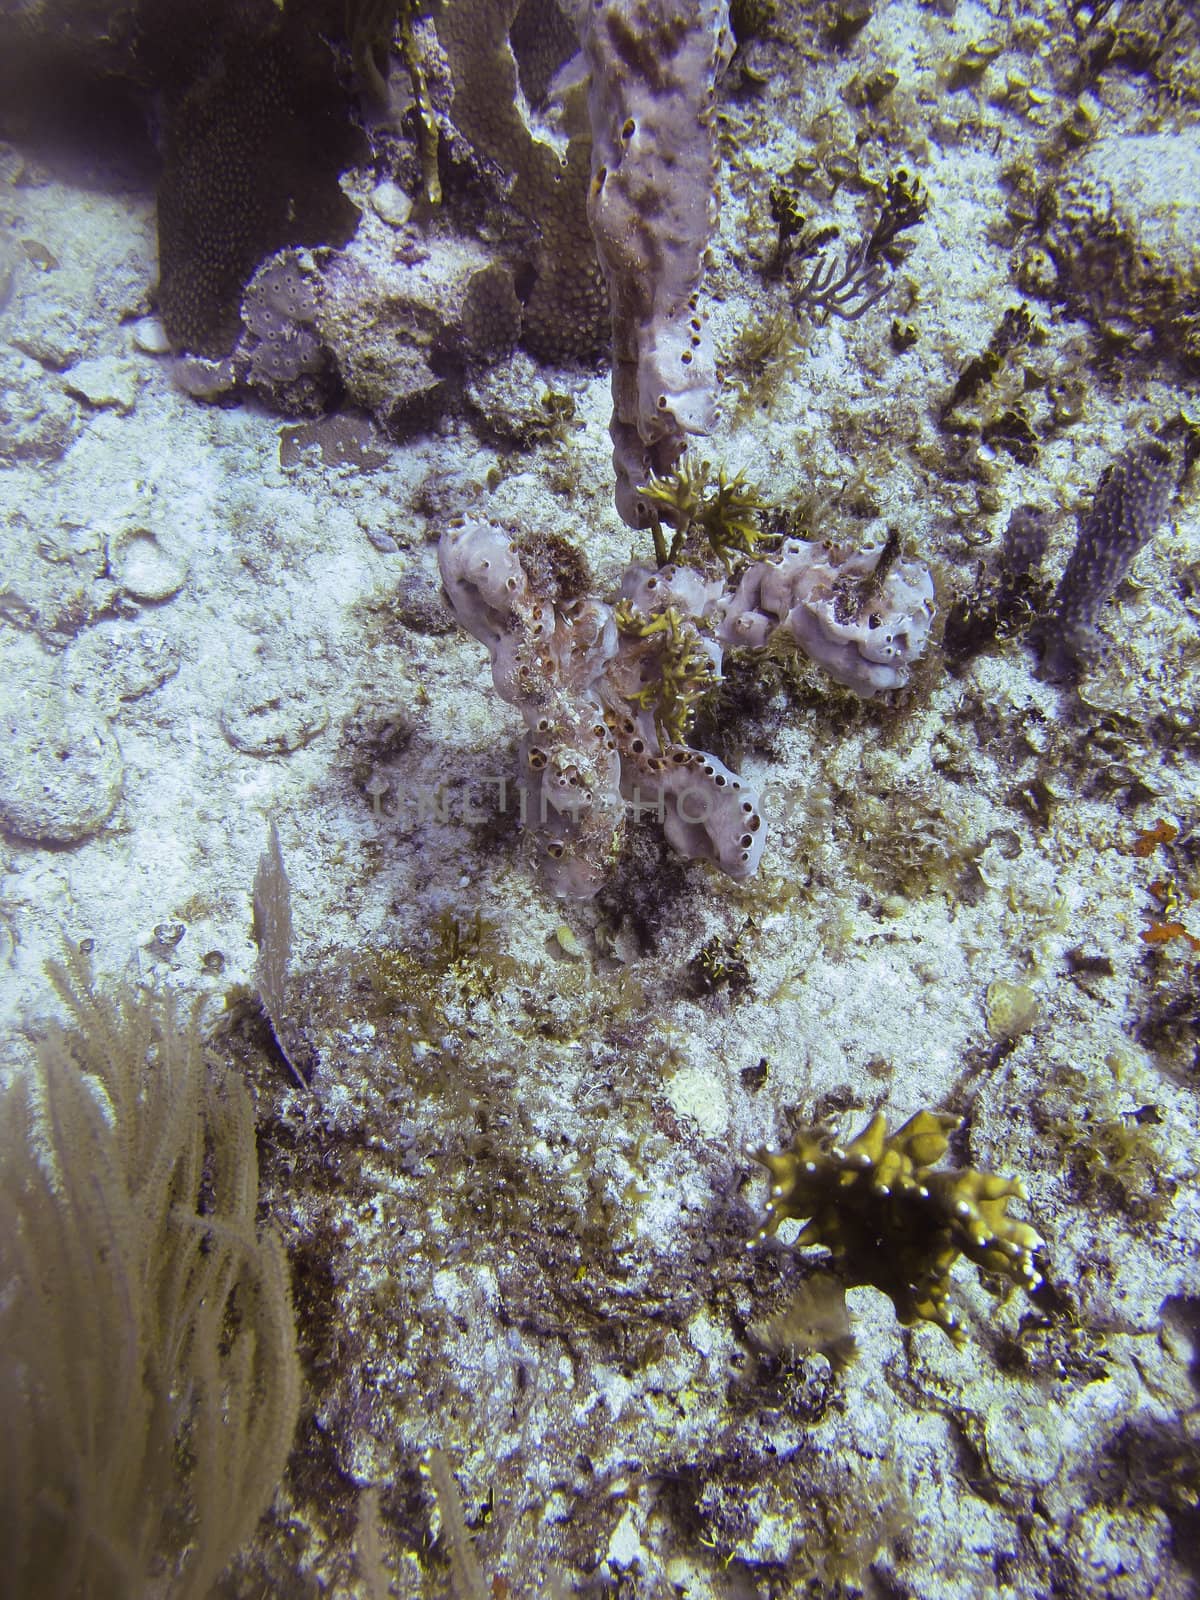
(592,748)
(608,693)
(864,617)
(652,203)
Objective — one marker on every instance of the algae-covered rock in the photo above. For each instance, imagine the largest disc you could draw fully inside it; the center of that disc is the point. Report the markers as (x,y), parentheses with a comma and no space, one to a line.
(1154,182)
(105,383)
(62,772)
(399,330)
(37,423)
(275,708)
(1125,243)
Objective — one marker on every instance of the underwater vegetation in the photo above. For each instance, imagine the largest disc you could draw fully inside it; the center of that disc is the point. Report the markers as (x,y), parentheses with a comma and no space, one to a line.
(725,519)
(889,1220)
(149,1383)
(848,288)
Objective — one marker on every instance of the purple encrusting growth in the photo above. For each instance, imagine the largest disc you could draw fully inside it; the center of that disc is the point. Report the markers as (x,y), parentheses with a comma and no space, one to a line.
(285,355)
(1024,546)
(1129,506)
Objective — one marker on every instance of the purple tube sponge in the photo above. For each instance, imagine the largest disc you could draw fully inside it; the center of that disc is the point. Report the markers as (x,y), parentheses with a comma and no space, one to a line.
(1127,510)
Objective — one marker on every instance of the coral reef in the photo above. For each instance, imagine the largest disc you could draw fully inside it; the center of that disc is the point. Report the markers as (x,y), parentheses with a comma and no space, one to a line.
(400,339)
(565,311)
(889,1220)
(283,354)
(254,146)
(1132,269)
(511,1184)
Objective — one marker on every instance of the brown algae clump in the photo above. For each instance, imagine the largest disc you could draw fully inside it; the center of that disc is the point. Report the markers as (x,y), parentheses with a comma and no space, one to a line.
(888,1220)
